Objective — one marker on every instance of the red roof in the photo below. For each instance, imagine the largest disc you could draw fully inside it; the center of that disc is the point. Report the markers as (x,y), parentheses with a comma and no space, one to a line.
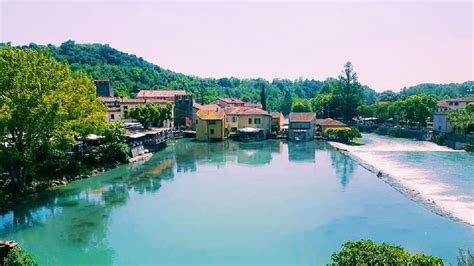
(206,106)
(465,99)
(301,117)
(330,122)
(160,93)
(238,110)
(442,103)
(128,100)
(231,100)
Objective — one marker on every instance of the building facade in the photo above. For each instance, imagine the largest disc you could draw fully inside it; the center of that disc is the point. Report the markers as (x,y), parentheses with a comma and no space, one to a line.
(277,121)
(103,88)
(247,117)
(440,115)
(301,126)
(183,111)
(210,125)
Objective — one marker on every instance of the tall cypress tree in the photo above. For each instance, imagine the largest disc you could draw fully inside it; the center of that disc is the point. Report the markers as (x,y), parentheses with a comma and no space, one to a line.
(263,98)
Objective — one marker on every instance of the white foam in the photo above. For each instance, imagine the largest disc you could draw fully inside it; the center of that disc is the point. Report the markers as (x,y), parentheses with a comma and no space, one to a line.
(417,182)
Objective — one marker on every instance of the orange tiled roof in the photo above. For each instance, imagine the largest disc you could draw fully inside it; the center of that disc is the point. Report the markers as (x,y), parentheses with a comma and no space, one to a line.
(215,114)
(464,99)
(159,93)
(301,116)
(233,110)
(129,100)
(329,122)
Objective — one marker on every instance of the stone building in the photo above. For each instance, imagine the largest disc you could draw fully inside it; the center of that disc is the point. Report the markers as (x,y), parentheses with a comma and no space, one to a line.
(103,88)
(183,111)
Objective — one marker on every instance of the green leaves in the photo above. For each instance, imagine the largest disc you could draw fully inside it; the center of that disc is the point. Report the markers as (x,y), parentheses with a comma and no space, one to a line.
(149,114)
(44,107)
(366,252)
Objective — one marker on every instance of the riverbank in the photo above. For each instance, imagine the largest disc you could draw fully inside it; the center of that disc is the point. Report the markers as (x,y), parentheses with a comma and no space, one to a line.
(414,181)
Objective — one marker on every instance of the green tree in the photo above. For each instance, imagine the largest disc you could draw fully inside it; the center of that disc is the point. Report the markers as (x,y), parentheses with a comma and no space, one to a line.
(323,104)
(44,106)
(149,114)
(348,93)
(418,108)
(301,105)
(287,102)
(263,98)
(366,252)
(461,119)
(18,257)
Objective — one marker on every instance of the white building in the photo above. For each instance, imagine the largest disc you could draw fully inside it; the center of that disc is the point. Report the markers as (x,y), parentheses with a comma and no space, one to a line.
(440,120)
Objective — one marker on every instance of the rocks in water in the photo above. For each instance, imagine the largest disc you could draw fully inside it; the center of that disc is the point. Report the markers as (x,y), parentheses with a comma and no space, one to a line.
(379,174)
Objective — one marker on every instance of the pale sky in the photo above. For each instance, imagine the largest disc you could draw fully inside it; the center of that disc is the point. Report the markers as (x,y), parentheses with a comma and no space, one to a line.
(391,44)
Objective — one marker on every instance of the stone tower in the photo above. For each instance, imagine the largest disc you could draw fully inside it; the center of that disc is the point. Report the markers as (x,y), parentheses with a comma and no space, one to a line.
(183,111)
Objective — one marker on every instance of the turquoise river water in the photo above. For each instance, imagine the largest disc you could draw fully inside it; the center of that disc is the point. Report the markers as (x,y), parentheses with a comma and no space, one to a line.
(224,203)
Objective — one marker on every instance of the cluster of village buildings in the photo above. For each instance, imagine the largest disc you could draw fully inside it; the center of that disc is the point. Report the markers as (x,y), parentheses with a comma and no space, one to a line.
(440,115)
(223,118)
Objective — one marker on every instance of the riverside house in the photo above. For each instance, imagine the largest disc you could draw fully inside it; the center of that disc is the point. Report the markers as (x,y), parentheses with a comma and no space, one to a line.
(440,120)
(247,117)
(210,124)
(301,126)
(117,106)
(277,121)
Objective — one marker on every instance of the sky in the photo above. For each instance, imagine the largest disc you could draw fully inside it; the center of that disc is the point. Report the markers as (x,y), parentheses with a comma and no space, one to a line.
(391,44)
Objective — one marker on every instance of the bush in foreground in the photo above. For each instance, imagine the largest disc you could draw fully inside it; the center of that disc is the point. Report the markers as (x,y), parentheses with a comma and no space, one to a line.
(343,134)
(366,252)
(19,257)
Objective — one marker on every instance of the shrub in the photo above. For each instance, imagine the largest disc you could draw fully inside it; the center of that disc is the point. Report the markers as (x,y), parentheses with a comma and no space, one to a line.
(343,134)
(366,252)
(19,257)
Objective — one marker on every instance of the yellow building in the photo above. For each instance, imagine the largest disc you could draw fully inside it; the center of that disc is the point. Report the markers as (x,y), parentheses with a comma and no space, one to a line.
(277,121)
(247,117)
(210,125)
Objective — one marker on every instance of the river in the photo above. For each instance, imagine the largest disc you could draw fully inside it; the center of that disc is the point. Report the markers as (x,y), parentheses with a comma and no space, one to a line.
(223,203)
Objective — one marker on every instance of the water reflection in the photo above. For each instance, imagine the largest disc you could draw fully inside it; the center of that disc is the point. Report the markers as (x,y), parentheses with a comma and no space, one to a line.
(80,213)
(344,167)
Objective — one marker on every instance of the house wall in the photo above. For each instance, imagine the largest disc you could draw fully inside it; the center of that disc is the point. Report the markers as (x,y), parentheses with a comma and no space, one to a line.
(231,124)
(277,123)
(440,123)
(204,128)
(306,136)
(113,116)
(265,122)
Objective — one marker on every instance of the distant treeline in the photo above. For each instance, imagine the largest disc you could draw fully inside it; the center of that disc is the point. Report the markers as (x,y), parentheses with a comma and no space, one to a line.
(129,74)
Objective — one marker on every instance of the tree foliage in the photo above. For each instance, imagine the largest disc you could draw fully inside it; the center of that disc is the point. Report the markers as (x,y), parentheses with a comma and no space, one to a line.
(348,93)
(44,107)
(461,119)
(18,257)
(366,252)
(129,74)
(149,114)
(301,105)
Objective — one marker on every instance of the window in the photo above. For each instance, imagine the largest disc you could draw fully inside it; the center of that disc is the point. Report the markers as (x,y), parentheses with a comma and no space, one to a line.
(125,107)
(212,122)
(112,116)
(456,103)
(212,131)
(250,120)
(257,121)
(197,121)
(300,125)
(234,119)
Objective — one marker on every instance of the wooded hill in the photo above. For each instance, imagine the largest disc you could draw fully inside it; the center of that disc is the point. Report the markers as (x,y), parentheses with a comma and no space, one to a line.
(129,74)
